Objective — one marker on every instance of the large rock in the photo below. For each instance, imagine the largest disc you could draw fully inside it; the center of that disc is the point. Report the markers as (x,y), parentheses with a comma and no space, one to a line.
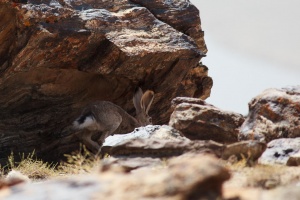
(281,151)
(186,177)
(198,120)
(57,56)
(136,149)
(273,114)
(156,141)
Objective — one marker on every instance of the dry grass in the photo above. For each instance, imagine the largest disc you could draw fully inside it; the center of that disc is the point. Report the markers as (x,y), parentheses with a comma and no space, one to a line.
(32,167)
(79,163)
(244,174)
(261,176)
(76,163)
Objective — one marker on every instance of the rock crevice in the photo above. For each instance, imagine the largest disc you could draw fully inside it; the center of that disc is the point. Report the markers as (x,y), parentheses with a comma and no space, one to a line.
(61,55)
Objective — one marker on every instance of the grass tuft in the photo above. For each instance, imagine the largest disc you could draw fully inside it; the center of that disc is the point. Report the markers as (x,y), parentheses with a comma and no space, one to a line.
(79,162)
(32,167)
(35,169)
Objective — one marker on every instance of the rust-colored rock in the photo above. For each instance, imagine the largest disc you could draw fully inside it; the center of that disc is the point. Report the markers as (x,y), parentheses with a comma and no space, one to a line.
(201,121)
(58,56)
(273,114)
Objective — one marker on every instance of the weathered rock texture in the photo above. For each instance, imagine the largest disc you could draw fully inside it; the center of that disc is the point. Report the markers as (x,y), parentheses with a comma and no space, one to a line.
(273,114)
(198,120)
(153,142)
(282,151)
(187,177)
(160,142)
(57,56)
(197,82)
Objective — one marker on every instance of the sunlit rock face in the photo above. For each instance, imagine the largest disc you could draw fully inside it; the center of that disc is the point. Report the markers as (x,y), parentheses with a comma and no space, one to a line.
(273,114)
(283,151)
(57,56)
(198,120)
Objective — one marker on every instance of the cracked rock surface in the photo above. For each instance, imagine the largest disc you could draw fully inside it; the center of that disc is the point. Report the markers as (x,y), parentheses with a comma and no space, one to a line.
(57,56)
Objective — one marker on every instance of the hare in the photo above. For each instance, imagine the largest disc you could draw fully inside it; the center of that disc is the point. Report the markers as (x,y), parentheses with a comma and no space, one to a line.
(104,118)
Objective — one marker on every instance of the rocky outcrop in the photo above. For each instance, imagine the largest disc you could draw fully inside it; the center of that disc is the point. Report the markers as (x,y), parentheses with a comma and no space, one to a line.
(58,56)
(181,178)
(273,114)
(186,22)
(282,151)
(198,120)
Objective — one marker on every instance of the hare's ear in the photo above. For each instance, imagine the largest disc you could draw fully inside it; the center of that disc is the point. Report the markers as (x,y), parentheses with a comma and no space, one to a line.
(147,100)
(137,98)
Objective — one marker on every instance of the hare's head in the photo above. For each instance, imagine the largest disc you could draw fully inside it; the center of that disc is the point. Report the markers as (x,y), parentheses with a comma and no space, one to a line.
(142,102)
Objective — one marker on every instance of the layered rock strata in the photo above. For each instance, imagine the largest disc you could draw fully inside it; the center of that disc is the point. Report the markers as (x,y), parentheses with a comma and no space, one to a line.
(58,56)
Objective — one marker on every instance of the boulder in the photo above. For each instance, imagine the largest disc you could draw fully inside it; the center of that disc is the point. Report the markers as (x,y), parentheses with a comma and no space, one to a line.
(190,25)
(273,114)
(185,177)
(146,132)
(198,120)
(156,141)
(282,151)
(58,56)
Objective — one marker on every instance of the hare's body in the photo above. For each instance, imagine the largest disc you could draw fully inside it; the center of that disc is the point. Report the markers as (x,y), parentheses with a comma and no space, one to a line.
(102,118)
(105,116)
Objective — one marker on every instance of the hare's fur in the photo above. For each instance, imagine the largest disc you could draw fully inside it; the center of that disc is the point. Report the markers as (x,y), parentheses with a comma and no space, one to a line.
(102,118)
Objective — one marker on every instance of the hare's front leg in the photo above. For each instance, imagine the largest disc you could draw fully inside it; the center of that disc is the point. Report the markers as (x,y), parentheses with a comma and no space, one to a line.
(86,139)
(109,128)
